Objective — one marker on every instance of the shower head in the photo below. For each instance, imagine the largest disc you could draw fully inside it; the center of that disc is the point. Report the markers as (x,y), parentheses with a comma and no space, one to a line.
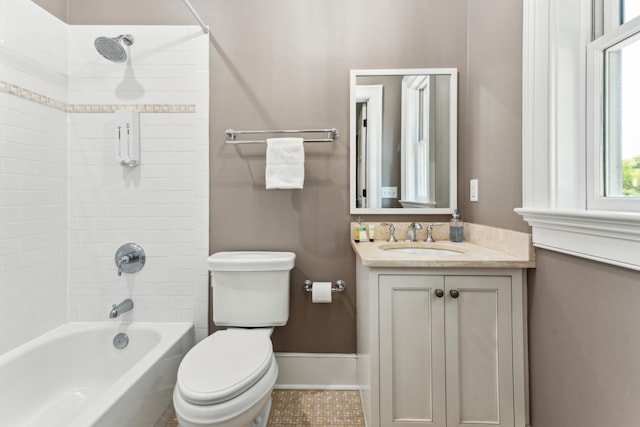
(112,49)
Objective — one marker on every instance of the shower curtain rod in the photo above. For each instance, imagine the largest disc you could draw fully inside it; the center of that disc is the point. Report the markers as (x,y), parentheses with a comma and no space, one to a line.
(205,28)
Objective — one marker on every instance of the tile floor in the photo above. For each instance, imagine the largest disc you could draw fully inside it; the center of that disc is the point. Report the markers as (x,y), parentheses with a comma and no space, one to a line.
(316,408)
(312,408)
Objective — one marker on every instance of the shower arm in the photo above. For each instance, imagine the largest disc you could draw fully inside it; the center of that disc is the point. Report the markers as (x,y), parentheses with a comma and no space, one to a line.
(205,28)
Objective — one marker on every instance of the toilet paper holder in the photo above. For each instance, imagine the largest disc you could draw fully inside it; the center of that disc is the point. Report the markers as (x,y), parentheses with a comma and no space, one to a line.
(339,287)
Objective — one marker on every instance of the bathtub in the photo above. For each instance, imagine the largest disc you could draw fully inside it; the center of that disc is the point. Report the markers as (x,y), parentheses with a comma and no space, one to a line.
(73,376)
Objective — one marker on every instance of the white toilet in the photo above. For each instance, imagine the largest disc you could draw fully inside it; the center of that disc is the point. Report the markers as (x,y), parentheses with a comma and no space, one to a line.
(227,378)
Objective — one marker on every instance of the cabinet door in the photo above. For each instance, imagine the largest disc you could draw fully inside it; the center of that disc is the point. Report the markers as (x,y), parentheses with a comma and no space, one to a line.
(479,351)
(412,371)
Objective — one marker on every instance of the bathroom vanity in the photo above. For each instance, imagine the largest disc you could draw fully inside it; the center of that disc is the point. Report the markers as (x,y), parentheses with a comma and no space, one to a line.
(442,330)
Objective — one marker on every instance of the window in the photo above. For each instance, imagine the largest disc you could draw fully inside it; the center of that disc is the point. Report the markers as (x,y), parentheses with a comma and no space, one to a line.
(622,110)
(418,166)
(581,128)
(630,9)
(423,145)
(613,100)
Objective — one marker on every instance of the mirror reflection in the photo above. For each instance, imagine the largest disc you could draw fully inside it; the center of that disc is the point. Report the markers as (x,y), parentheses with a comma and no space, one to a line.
(403,141)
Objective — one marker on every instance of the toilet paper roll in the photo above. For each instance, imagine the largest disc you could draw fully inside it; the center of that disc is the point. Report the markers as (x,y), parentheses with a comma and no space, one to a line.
(321,292)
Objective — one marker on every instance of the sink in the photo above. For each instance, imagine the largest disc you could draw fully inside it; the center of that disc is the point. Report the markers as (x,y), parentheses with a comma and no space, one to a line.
(419,249)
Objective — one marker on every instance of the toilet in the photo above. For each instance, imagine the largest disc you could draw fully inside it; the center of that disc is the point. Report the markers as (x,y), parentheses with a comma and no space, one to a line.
(227,378)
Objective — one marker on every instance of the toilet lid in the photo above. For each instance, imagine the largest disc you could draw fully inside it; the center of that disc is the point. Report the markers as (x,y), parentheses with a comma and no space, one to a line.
(223,366)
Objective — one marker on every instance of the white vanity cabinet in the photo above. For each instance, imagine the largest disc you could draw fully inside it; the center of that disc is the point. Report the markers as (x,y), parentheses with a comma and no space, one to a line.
(442,347)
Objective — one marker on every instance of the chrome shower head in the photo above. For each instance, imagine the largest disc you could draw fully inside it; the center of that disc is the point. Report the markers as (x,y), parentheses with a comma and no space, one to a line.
(112,49)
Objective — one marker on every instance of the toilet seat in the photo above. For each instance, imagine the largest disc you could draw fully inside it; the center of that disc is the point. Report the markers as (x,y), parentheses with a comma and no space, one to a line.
(223,366)
(240,411)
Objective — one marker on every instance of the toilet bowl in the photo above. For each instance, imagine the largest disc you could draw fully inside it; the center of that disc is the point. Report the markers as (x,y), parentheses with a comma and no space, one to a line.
(226,380)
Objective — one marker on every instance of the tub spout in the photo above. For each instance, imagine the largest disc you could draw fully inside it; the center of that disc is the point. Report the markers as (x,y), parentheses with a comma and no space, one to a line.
(123,307)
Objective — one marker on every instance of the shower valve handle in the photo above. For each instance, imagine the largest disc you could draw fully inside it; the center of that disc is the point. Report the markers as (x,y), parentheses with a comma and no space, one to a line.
(130,258)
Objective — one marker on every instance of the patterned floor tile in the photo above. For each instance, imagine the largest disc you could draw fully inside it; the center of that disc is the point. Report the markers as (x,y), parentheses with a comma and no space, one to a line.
(316,408)
(312,408)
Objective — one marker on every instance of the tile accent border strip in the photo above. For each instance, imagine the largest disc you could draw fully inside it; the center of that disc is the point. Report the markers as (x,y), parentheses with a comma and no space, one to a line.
(38,98)
(32,96)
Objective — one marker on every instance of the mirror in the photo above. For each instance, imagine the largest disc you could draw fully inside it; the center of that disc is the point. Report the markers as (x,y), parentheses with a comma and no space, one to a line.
(403,130)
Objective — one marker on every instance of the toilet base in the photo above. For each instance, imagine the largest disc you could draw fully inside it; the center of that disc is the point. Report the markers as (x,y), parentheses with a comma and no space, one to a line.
(263,417)
(260,420)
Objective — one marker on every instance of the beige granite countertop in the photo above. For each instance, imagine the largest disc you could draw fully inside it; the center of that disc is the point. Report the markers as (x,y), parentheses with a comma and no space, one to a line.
(484,247)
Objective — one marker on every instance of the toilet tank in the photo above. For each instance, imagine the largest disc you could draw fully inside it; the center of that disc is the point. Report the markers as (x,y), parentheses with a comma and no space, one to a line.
(250,289)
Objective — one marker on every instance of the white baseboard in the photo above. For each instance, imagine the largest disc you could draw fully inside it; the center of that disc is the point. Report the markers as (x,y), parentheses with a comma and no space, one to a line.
(316,371)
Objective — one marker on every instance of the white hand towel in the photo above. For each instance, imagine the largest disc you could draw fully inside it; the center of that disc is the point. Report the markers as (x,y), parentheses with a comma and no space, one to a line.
(285,163)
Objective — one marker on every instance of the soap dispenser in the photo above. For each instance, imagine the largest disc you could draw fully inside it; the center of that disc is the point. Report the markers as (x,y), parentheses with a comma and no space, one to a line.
(456,227)
(356,230)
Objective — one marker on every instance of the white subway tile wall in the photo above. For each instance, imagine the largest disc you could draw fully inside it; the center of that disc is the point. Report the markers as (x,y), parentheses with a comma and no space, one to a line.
(67,205)
(33,175)
(163,203)
(33,49)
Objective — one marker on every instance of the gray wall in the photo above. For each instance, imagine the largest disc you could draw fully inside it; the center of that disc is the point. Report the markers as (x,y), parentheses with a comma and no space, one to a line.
(285,63)
(584,344)
(493,149)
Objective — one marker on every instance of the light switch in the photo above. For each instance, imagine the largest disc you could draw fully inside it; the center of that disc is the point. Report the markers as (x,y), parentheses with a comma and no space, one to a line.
(473,190)
(389,192)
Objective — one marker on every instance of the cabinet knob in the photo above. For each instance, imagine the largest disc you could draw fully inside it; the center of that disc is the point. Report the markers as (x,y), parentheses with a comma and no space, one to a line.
(439,293)
(454,293)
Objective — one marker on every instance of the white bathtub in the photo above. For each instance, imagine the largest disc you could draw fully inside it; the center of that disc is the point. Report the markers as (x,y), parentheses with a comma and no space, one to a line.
(73,376)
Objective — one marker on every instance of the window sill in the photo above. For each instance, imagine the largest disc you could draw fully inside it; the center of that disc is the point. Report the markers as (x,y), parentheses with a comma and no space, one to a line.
(609,237)
(416,204)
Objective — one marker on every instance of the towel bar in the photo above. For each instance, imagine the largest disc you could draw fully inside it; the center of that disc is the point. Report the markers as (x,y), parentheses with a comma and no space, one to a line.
(231,135)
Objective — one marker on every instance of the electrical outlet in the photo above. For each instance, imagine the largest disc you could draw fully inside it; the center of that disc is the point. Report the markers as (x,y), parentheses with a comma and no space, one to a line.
(473,190)
(389,192)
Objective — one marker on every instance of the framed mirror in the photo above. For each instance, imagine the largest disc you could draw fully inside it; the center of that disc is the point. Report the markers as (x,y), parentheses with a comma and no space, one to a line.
(403,147)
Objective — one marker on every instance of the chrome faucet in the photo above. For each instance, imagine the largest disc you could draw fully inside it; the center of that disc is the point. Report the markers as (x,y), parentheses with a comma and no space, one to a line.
(430,238)
(392,231)
(412,231)
(123,307)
